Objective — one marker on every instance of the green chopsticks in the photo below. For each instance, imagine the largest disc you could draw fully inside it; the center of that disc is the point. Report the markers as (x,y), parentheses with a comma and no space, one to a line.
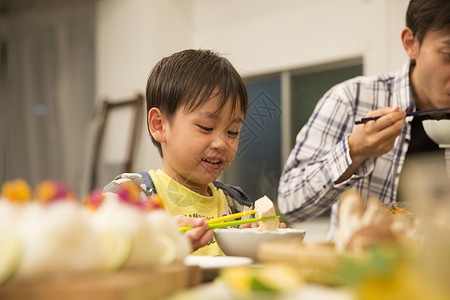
(229,223)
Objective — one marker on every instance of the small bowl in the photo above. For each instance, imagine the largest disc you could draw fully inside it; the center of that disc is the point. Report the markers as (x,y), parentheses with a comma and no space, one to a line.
(438,131)
(245,242)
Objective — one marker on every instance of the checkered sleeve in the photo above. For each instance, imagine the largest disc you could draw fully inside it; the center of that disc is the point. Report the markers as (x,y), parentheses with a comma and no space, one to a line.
(320,157)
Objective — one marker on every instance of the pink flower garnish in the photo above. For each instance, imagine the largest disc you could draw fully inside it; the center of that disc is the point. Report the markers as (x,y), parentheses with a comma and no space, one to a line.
(152,202)
(94,200)
(49,191)
(131,194)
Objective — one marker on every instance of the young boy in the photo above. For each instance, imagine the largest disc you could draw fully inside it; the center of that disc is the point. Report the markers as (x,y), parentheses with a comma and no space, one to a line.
(196,104)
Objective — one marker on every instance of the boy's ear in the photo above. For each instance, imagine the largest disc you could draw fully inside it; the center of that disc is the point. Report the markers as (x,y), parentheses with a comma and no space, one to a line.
(156,122)
(410,44)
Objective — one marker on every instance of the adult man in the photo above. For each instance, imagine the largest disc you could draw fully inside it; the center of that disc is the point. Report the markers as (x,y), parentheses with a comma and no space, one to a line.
(332,154)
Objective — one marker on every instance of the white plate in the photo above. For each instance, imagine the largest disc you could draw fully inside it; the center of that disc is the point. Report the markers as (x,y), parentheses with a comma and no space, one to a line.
(211,265)
(216,262)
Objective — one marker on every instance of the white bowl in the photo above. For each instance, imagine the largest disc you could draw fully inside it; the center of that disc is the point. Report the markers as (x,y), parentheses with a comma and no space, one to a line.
(438,131)
(245,242)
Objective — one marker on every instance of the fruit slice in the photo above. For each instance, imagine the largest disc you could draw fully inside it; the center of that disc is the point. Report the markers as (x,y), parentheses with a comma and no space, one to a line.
(10,255)
(169,252)
(115,248)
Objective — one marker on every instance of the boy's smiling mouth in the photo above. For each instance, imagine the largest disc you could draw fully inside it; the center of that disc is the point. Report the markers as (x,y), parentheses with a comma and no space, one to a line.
(213,163)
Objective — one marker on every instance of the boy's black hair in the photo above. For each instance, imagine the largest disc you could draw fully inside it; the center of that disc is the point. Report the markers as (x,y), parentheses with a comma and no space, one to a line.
(423,16)
(188,79)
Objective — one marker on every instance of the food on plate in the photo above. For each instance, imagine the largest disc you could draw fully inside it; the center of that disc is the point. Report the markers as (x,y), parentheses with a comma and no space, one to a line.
(174,246)
(264,208)
(50,232)
(115,249)
(10,253)
(55,238)
(362,226)
(51,190)
(317,262)
(273,278)
(117,215)
(93,201)
(370,235)
(13,199)
(16,191)
(155,237)
(398,209)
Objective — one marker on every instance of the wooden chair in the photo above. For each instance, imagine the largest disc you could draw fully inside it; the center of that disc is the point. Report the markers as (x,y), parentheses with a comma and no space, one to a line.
(106,117)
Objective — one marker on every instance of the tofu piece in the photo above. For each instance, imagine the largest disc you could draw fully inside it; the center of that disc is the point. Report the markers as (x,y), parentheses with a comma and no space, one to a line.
(264,208)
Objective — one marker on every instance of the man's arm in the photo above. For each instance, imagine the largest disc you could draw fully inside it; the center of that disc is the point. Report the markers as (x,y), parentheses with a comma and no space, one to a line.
(329,158)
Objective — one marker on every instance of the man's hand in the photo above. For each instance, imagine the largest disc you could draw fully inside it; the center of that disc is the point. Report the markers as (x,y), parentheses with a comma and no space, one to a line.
(200,235)
(374,138)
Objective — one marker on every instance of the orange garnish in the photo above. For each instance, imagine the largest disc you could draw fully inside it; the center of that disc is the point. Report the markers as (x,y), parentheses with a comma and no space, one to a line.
(16,191)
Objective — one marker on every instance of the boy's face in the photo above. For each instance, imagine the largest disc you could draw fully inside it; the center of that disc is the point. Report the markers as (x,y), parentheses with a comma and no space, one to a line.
(431,75)
(201,144)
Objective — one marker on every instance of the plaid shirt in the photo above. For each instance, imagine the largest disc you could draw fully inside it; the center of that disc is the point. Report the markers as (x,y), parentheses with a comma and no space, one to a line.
(321,154)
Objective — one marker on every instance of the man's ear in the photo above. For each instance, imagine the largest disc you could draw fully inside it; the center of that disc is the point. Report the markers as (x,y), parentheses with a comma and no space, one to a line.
(156,124)
(410,44)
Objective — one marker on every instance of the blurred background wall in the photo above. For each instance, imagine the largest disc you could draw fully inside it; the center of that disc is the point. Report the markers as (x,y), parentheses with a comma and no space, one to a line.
(107,48)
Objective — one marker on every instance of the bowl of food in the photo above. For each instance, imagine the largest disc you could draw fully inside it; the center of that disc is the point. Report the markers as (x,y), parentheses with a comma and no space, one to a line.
(438,131)
(245,242)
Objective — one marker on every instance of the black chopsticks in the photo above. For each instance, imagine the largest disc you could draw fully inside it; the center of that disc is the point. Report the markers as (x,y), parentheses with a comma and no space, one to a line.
(409,113)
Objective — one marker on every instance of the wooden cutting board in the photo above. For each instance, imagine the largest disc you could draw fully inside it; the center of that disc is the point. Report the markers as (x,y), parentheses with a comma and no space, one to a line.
(129,284)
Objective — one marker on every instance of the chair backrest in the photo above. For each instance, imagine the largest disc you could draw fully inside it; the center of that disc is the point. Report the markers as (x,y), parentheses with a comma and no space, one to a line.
(113,139)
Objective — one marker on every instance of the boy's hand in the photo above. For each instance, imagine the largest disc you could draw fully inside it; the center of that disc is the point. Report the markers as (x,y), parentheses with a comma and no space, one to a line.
(200,235)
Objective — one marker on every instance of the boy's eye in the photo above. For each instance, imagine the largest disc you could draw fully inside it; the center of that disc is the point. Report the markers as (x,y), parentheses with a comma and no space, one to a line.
(233,133)
(208,129)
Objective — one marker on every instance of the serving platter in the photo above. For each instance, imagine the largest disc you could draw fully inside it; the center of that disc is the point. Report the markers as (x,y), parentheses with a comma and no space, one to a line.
(136,284)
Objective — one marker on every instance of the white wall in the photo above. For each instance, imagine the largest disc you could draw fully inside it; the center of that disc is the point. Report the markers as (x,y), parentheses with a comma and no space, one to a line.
(263,35)
(132,36)
(258,36)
